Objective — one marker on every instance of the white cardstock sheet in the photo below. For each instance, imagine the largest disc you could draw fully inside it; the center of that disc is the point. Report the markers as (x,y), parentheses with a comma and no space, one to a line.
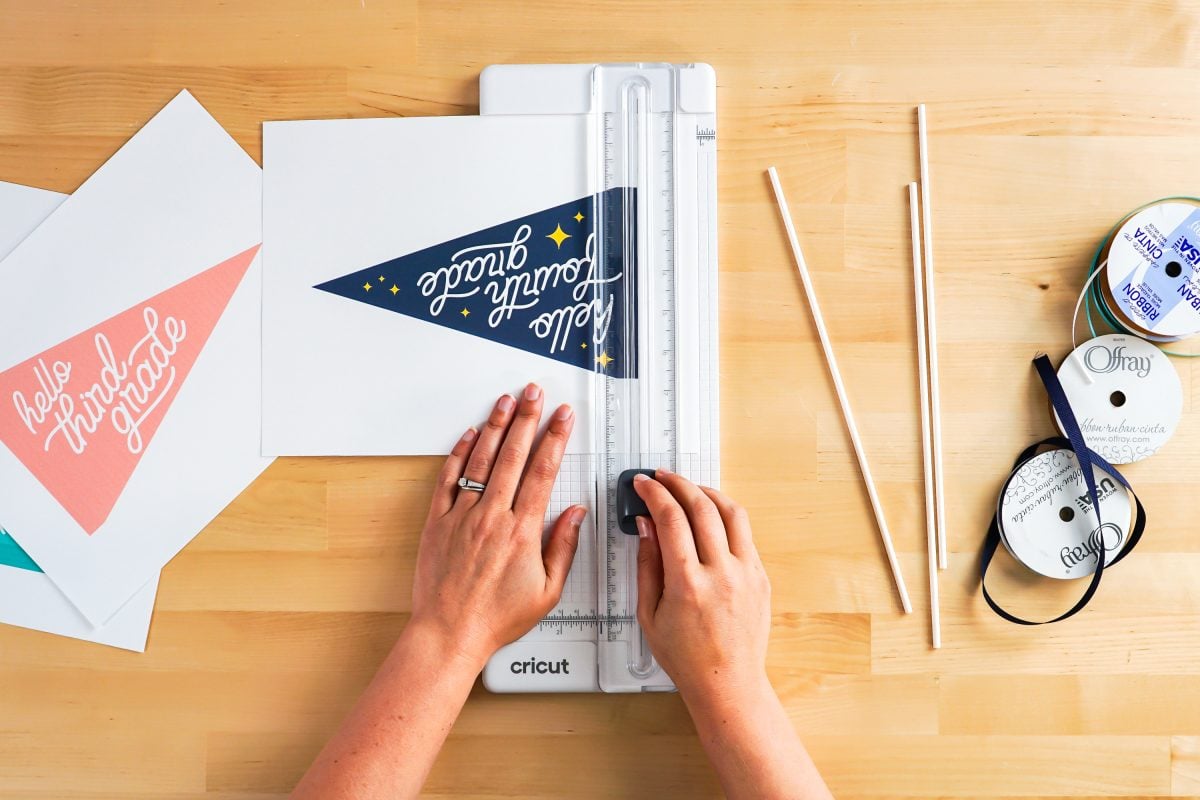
(376,342)
(130,354)
(28,598)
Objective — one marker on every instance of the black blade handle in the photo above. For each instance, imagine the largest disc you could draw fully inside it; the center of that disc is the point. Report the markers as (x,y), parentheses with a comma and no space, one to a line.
(629,505)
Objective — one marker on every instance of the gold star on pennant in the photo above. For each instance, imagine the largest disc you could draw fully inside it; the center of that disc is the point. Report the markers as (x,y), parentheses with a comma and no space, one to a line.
(465,313)
(579,216)
(558,236)
(584,345)
(367,286)
(604,359)
(395,290)
(381,279)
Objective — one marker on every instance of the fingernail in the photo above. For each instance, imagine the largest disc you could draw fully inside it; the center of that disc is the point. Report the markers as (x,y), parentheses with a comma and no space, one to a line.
(664,471)
(639,478)
(564,413)
(469,435)
(506,402)
(533,392)
(577,516)
(643,526)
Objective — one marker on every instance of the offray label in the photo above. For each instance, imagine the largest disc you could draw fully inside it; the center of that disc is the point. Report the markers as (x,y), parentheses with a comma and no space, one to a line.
(533,283)
(1047,521)
(1126,395)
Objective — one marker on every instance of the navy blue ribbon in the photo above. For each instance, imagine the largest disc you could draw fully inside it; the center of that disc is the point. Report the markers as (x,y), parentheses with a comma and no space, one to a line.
(1088,461)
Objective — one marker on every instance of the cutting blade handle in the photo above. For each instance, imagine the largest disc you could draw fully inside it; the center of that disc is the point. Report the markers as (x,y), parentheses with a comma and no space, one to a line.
(629,505)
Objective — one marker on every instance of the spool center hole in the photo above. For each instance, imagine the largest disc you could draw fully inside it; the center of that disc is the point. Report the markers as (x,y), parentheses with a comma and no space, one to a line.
(1117,398)
(1066,513)
(1174,269)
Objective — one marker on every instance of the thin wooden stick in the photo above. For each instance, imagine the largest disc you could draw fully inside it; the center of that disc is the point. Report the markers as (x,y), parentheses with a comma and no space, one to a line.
(847,414)
(939,491)
(914,222)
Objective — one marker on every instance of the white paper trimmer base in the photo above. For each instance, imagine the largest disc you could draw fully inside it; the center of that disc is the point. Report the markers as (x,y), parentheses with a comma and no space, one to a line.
(592,641)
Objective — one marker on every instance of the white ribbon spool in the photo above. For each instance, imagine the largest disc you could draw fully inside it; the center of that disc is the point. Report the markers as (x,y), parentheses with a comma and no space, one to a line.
(1126,395)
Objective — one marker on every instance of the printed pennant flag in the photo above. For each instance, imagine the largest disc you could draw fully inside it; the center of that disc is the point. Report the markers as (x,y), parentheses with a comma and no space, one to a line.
(80,415)
(532,283)
(11,554)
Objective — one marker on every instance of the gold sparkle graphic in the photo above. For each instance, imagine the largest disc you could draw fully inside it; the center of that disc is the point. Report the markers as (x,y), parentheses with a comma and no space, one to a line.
(395,290)
(579,216)
(559,236)
(465,312)
(604,359)
(367,286)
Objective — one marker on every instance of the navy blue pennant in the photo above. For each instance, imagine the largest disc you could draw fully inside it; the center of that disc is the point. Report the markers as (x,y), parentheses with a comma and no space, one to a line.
(532,283)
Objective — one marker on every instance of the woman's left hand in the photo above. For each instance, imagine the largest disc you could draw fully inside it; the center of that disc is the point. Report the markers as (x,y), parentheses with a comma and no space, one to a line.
(483,576)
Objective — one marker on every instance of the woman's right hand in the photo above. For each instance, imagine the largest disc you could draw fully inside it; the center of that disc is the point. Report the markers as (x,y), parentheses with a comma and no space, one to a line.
(705,605)
(704,601)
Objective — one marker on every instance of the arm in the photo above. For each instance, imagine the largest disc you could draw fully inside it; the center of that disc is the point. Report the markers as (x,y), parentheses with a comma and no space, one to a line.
(482,579)
(705,604)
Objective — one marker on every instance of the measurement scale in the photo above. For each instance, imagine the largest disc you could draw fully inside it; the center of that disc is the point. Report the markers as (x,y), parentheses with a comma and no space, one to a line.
(652,138)
(637,426)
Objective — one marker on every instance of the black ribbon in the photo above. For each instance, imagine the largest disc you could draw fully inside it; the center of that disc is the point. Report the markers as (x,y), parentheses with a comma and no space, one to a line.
(1088,461)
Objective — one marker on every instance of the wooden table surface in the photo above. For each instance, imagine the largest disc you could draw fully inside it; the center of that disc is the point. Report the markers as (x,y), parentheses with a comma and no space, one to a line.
(1048,122)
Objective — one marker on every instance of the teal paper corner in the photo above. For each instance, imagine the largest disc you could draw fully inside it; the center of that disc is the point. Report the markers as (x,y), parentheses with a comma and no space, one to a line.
(11,554)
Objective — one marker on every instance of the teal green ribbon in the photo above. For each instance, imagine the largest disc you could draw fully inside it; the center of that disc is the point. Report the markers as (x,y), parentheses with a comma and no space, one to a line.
(1093,293)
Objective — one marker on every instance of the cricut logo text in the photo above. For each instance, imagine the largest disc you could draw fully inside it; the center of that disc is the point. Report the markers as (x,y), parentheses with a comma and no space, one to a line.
(536,666)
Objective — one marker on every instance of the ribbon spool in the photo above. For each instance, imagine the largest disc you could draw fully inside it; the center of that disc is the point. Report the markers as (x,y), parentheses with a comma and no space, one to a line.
(1144,282)
(1145,276)
(1045,521)
(1126,395)
(1044,484)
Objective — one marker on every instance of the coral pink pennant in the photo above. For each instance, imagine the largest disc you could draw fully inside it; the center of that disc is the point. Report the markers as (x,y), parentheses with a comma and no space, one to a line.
(81,415)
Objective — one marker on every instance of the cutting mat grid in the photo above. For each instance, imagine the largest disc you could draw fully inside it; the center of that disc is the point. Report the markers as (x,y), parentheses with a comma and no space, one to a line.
(576,484)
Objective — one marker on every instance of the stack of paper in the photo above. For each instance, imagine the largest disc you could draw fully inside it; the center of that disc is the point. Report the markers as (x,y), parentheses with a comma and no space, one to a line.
(422,267)
(149,371)
(129,373)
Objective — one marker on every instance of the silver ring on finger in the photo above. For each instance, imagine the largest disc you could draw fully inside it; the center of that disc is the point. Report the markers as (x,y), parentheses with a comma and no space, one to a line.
(470,485)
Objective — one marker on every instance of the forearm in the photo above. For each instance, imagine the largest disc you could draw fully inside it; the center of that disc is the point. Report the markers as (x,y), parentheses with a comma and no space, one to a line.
(387,745)
(752,744)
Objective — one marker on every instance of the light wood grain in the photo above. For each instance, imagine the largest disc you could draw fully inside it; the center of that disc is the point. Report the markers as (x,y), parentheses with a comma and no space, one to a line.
(1048,121)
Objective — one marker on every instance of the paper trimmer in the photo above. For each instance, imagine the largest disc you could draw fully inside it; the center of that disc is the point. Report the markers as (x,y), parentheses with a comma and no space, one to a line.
(653,139)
